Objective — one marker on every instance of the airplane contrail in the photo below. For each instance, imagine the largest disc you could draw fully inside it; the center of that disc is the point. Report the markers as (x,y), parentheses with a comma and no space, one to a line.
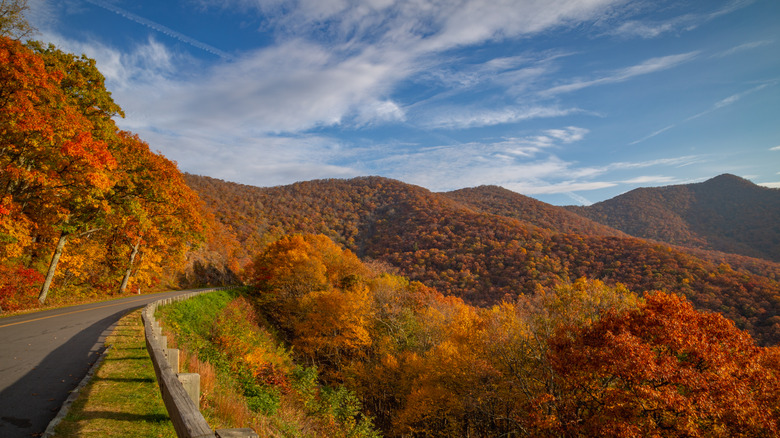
(162,29)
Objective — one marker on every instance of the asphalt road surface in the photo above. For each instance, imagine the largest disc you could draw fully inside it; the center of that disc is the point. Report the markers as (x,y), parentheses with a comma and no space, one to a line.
(44,355)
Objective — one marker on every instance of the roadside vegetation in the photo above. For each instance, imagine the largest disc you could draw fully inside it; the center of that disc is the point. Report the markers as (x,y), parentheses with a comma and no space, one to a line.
(249,377)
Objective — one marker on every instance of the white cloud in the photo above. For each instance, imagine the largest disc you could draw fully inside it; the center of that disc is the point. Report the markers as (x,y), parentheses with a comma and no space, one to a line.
(515,73)
(297,84)
(566,187)
(645,30)
(649,66)
(261,161)
(742,48)
(461,118)
(432,25)
(289,88)
(511,160)
(338,63)
(771,185)
(254,115)
(675,162)
(651,180)
(776,148)
(682,23)
(567,135)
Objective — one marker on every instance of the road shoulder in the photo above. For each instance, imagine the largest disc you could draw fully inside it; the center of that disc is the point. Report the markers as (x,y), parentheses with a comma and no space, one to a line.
(122,399)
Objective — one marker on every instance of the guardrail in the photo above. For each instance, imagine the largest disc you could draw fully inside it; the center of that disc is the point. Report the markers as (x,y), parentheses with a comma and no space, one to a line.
(180,391)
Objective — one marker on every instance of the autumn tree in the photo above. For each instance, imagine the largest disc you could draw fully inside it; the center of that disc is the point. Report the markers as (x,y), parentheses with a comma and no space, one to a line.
(663,369)
(317,292)
(155,213)
(49,153)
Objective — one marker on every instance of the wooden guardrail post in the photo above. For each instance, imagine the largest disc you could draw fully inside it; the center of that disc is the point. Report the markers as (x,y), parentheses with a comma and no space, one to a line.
(172,354)
(191,384)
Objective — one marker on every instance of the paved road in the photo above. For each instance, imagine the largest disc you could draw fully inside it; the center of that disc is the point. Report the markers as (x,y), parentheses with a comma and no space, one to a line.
(44,355)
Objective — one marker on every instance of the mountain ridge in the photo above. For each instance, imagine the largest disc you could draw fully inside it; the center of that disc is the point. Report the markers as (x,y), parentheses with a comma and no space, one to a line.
(725,213)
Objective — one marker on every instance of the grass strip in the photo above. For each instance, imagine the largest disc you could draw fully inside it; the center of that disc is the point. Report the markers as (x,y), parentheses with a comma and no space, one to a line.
(122,399)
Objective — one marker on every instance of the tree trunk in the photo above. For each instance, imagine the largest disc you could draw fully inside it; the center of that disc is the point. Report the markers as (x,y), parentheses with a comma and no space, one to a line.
(126,278)
(52,267)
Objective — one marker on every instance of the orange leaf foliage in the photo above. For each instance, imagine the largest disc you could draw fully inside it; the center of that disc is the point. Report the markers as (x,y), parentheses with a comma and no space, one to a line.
(663,369)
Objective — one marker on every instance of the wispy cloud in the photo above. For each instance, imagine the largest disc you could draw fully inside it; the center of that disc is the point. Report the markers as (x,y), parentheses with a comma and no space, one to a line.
(530,165)
(646,67)
(146,63)
(655,179)
(460,118)
(288,88)
(682,161)
(776,148)
(330,74)
(730,100)
(683,23)
(458,165)
(566,187)
(743,48)
(332,64)
(432,26)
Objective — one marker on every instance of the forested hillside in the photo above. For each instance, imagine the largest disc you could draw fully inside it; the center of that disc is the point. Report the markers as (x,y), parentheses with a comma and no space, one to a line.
(483,257)
(503,202)
(726,213)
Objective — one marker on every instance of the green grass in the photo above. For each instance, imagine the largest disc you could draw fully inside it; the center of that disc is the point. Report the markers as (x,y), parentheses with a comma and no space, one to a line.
(122,399)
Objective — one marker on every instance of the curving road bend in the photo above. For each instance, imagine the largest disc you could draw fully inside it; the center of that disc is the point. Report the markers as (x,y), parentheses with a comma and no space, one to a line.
(44,355)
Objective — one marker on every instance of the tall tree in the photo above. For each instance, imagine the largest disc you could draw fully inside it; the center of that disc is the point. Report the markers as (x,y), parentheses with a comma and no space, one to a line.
(156,214)
(53,167)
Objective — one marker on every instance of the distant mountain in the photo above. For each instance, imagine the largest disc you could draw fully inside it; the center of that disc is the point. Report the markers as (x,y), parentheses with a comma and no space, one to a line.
(486,244)
(726,213)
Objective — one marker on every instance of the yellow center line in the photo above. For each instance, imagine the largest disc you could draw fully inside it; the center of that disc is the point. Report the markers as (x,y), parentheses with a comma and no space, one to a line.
(70,313)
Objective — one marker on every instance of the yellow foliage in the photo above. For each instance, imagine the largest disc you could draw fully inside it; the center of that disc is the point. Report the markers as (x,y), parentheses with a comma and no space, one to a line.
(15,230)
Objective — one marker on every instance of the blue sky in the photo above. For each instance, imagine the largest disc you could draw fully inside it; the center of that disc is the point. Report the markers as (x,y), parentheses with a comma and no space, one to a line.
(567,101)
